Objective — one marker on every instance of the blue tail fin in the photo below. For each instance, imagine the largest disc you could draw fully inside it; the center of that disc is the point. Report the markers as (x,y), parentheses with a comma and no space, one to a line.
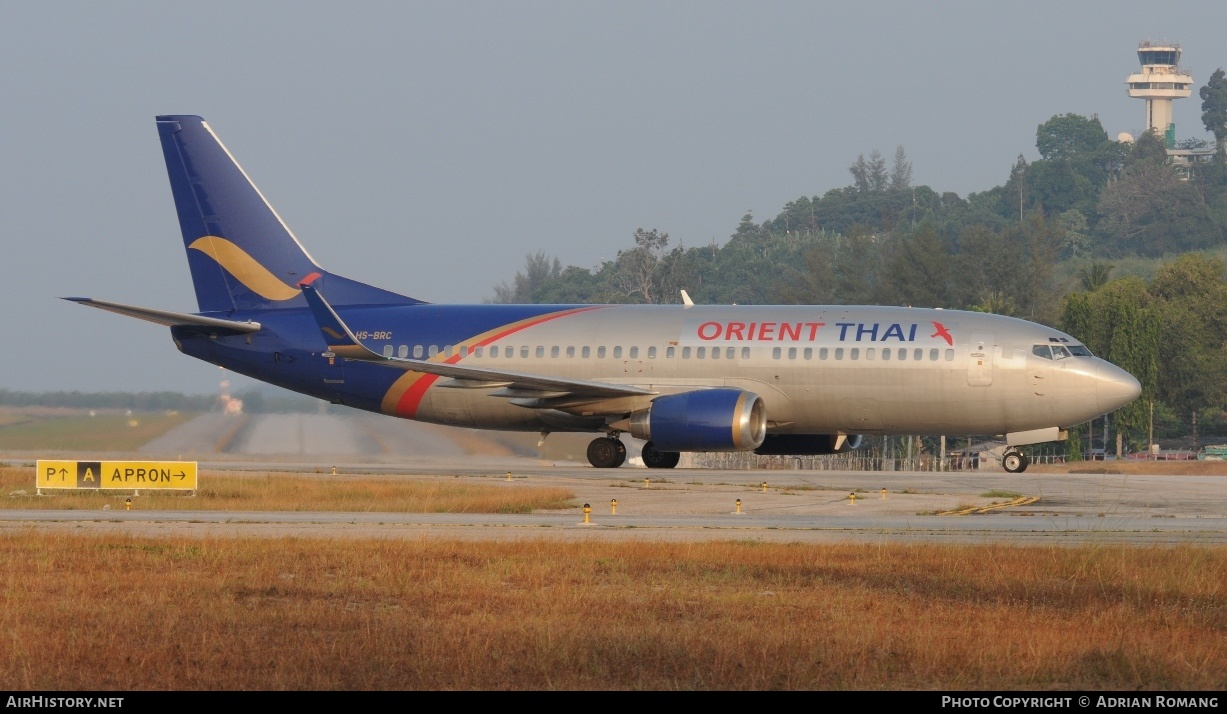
(242,255)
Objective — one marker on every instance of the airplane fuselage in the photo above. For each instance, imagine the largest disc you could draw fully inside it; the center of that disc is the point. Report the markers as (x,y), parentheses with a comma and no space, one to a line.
(818,369)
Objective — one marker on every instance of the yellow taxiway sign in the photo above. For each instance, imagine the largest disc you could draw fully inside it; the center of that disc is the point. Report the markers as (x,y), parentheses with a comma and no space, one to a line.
(175,475)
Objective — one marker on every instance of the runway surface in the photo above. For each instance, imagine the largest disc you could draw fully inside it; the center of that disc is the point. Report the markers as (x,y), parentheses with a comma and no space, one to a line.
(698,505)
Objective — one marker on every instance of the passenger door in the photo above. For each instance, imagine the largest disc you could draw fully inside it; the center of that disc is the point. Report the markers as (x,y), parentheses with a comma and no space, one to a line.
(980,361)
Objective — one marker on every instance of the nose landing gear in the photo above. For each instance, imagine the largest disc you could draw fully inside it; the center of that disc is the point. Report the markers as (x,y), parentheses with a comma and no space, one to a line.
(1014,461)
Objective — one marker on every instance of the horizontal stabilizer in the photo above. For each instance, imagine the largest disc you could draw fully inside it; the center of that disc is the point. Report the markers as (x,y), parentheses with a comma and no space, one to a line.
(170,319)
(342,342)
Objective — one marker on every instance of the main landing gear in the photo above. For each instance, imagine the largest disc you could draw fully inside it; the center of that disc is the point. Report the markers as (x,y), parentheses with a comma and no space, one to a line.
(1014,461)
(607,452)
(654,459)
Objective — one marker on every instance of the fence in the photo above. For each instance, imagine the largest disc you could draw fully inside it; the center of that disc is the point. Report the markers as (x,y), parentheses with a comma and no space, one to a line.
(872,459)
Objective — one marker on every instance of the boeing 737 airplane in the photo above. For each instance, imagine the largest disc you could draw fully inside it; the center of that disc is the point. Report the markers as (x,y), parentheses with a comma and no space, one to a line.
(804,379)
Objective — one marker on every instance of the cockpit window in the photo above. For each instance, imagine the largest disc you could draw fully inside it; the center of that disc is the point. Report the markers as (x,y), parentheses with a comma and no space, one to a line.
(1042,351)
(1060,352)
(1080,351)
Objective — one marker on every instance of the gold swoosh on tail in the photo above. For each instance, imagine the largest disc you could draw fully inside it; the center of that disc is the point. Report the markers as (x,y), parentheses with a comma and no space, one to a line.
(246,269)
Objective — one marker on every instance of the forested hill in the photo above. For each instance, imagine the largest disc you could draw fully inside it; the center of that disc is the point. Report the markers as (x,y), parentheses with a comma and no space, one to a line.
(1102,238)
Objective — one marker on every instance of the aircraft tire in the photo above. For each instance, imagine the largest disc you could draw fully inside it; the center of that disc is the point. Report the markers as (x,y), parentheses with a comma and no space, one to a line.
(1014,462)
(654,459)
(603,453)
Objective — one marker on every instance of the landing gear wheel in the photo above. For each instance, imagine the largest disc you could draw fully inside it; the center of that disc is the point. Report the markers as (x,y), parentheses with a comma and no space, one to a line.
(606,453)
(1014,462)
(654,459)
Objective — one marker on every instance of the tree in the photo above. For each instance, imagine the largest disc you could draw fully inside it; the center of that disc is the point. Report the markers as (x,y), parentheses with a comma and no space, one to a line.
(1214,105)
(900,171)
(919,270)
(641,270)
(870,175)
(1095,275)
(1077,234)
(538,270)
(860,173)
(1071,136)
(1014,195)
(1149,211)
(878,177)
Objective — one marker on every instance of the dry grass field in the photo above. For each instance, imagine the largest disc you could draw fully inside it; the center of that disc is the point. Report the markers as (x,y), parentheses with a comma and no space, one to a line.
(222,491)
(109,612)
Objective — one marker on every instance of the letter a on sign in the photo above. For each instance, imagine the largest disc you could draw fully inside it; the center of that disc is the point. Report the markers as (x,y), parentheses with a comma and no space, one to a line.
(88,473)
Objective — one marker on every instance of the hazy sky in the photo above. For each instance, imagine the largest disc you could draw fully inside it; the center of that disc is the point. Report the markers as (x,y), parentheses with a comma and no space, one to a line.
(427,147)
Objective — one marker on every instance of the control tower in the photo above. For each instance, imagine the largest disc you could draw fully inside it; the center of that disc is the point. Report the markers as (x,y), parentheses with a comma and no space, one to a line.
(1160,81)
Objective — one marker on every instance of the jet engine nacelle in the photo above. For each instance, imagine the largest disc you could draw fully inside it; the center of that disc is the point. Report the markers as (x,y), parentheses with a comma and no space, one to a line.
(703,420)
(808,444)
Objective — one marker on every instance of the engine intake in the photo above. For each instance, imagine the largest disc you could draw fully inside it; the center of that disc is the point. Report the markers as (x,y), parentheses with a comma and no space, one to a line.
(703,420)
(807,444)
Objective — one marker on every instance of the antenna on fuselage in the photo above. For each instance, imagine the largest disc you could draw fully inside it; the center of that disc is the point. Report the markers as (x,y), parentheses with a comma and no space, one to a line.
(686,301)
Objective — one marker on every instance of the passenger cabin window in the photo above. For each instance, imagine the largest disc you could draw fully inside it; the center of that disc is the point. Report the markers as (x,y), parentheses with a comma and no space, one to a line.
(417,352)
(775,353)
(730,352)
(555,351)
(685,353)
(617,351)
(570,352)
(700,352)
(586,352)
(478,351)
(745,353)
(809,353)
(670,351)
(600,352)
(949,355)
(715,353)
(933,355)
(869,353)
(402,351)
(792,353)
(464,350)
(387,350)
(433,350)
(524,352)
(634,353)
(1042,351)
(902,353)
(919,354)
(652,352)
(839,353)
(822,353)
(540,351)
(856,353)
(509,352)
(885,353)
(447,350)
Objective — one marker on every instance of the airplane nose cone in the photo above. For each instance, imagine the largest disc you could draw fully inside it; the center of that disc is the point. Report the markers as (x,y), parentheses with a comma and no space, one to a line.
(1115,388)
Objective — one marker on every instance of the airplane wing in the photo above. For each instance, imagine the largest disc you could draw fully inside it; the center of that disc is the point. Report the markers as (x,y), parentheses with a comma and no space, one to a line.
(517,385)
(170,319)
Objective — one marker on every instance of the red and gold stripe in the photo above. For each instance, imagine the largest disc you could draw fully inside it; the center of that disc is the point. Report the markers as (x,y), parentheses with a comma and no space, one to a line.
(405,395)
